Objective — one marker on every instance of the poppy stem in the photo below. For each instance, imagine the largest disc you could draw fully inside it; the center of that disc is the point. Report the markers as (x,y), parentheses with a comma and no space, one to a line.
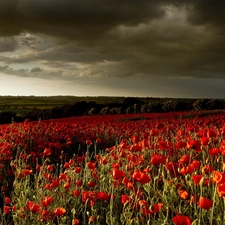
(212,210)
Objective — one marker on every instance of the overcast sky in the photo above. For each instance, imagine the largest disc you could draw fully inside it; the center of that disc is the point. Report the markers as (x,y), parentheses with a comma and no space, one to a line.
(155,48)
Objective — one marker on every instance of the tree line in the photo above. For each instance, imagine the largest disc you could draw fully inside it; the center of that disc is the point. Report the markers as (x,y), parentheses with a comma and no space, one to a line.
(128,106)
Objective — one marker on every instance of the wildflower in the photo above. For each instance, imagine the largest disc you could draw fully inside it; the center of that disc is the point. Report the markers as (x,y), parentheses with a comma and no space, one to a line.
(76,193)
(50,168)
(91,184)
(221,189)
(55,183)
(47,200)
(77,170)
(66,185)
(89,196)
(47,152)
(218,177)
(196,164)
(214,151)
(141,177)
(187,170)
(7,200)
(125,199)
(118,174)
(7,209)
(185,159)
(158,159)
(181,220)
(88,142)
(98,141)
(33,207)
(62,176)
(91,165)
(205,203)
(75,222)
(103,196)
(59,211)
(196,178)
(183,194)
(78,183)
(207,169)
(157,207)
(27,172)
(205,141)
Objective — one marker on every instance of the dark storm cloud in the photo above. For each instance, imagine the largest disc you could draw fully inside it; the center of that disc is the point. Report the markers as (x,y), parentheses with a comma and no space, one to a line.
(169,38)
(92,17)
(36,69)
(8,44)
(39,72)
(210,12)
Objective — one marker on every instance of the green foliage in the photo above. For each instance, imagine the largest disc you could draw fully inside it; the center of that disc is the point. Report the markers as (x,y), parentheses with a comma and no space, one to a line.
(200,104)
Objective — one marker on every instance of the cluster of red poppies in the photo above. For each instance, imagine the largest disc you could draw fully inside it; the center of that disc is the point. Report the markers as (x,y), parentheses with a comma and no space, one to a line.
(115,170)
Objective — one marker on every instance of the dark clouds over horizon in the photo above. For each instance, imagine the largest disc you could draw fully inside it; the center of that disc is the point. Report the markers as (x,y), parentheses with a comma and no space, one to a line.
(129,39)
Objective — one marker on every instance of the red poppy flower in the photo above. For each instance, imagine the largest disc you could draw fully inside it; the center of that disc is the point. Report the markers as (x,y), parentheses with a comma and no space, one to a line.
(47,152)
(211,133)
(141,177)
(33,207)
(158,159)
(88,142)
(207,169)
(7,209)
(50,168)
(62,176)
(55,183)
(182,220)
(214,151)
(181,144)
(196,164)
(7,200)
(157,207)
(77,170)
(98,140)
(194,144)
(103,196)
(196,178)
(78,183)
(218,177)
(185,159)
(135,139)
(89,196)
(91,165)
(76,193)
(187,170)
(59,211)
(221,189)
(183,194)
(205,141)
(91,184)
(47,201)
(205,203)
(117,173)
(125,199)
(27,172)
(75,222)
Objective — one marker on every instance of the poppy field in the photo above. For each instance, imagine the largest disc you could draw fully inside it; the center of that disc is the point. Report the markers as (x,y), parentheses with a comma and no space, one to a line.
(119,170)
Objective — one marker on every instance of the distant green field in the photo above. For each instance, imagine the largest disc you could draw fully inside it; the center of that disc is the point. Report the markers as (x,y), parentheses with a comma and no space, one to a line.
(18,103)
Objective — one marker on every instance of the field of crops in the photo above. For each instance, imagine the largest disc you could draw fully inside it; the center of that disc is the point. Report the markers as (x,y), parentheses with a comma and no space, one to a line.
(119,170)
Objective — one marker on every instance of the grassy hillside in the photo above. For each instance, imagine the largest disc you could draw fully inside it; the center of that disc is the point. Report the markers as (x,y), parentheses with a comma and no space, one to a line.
(30,102)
